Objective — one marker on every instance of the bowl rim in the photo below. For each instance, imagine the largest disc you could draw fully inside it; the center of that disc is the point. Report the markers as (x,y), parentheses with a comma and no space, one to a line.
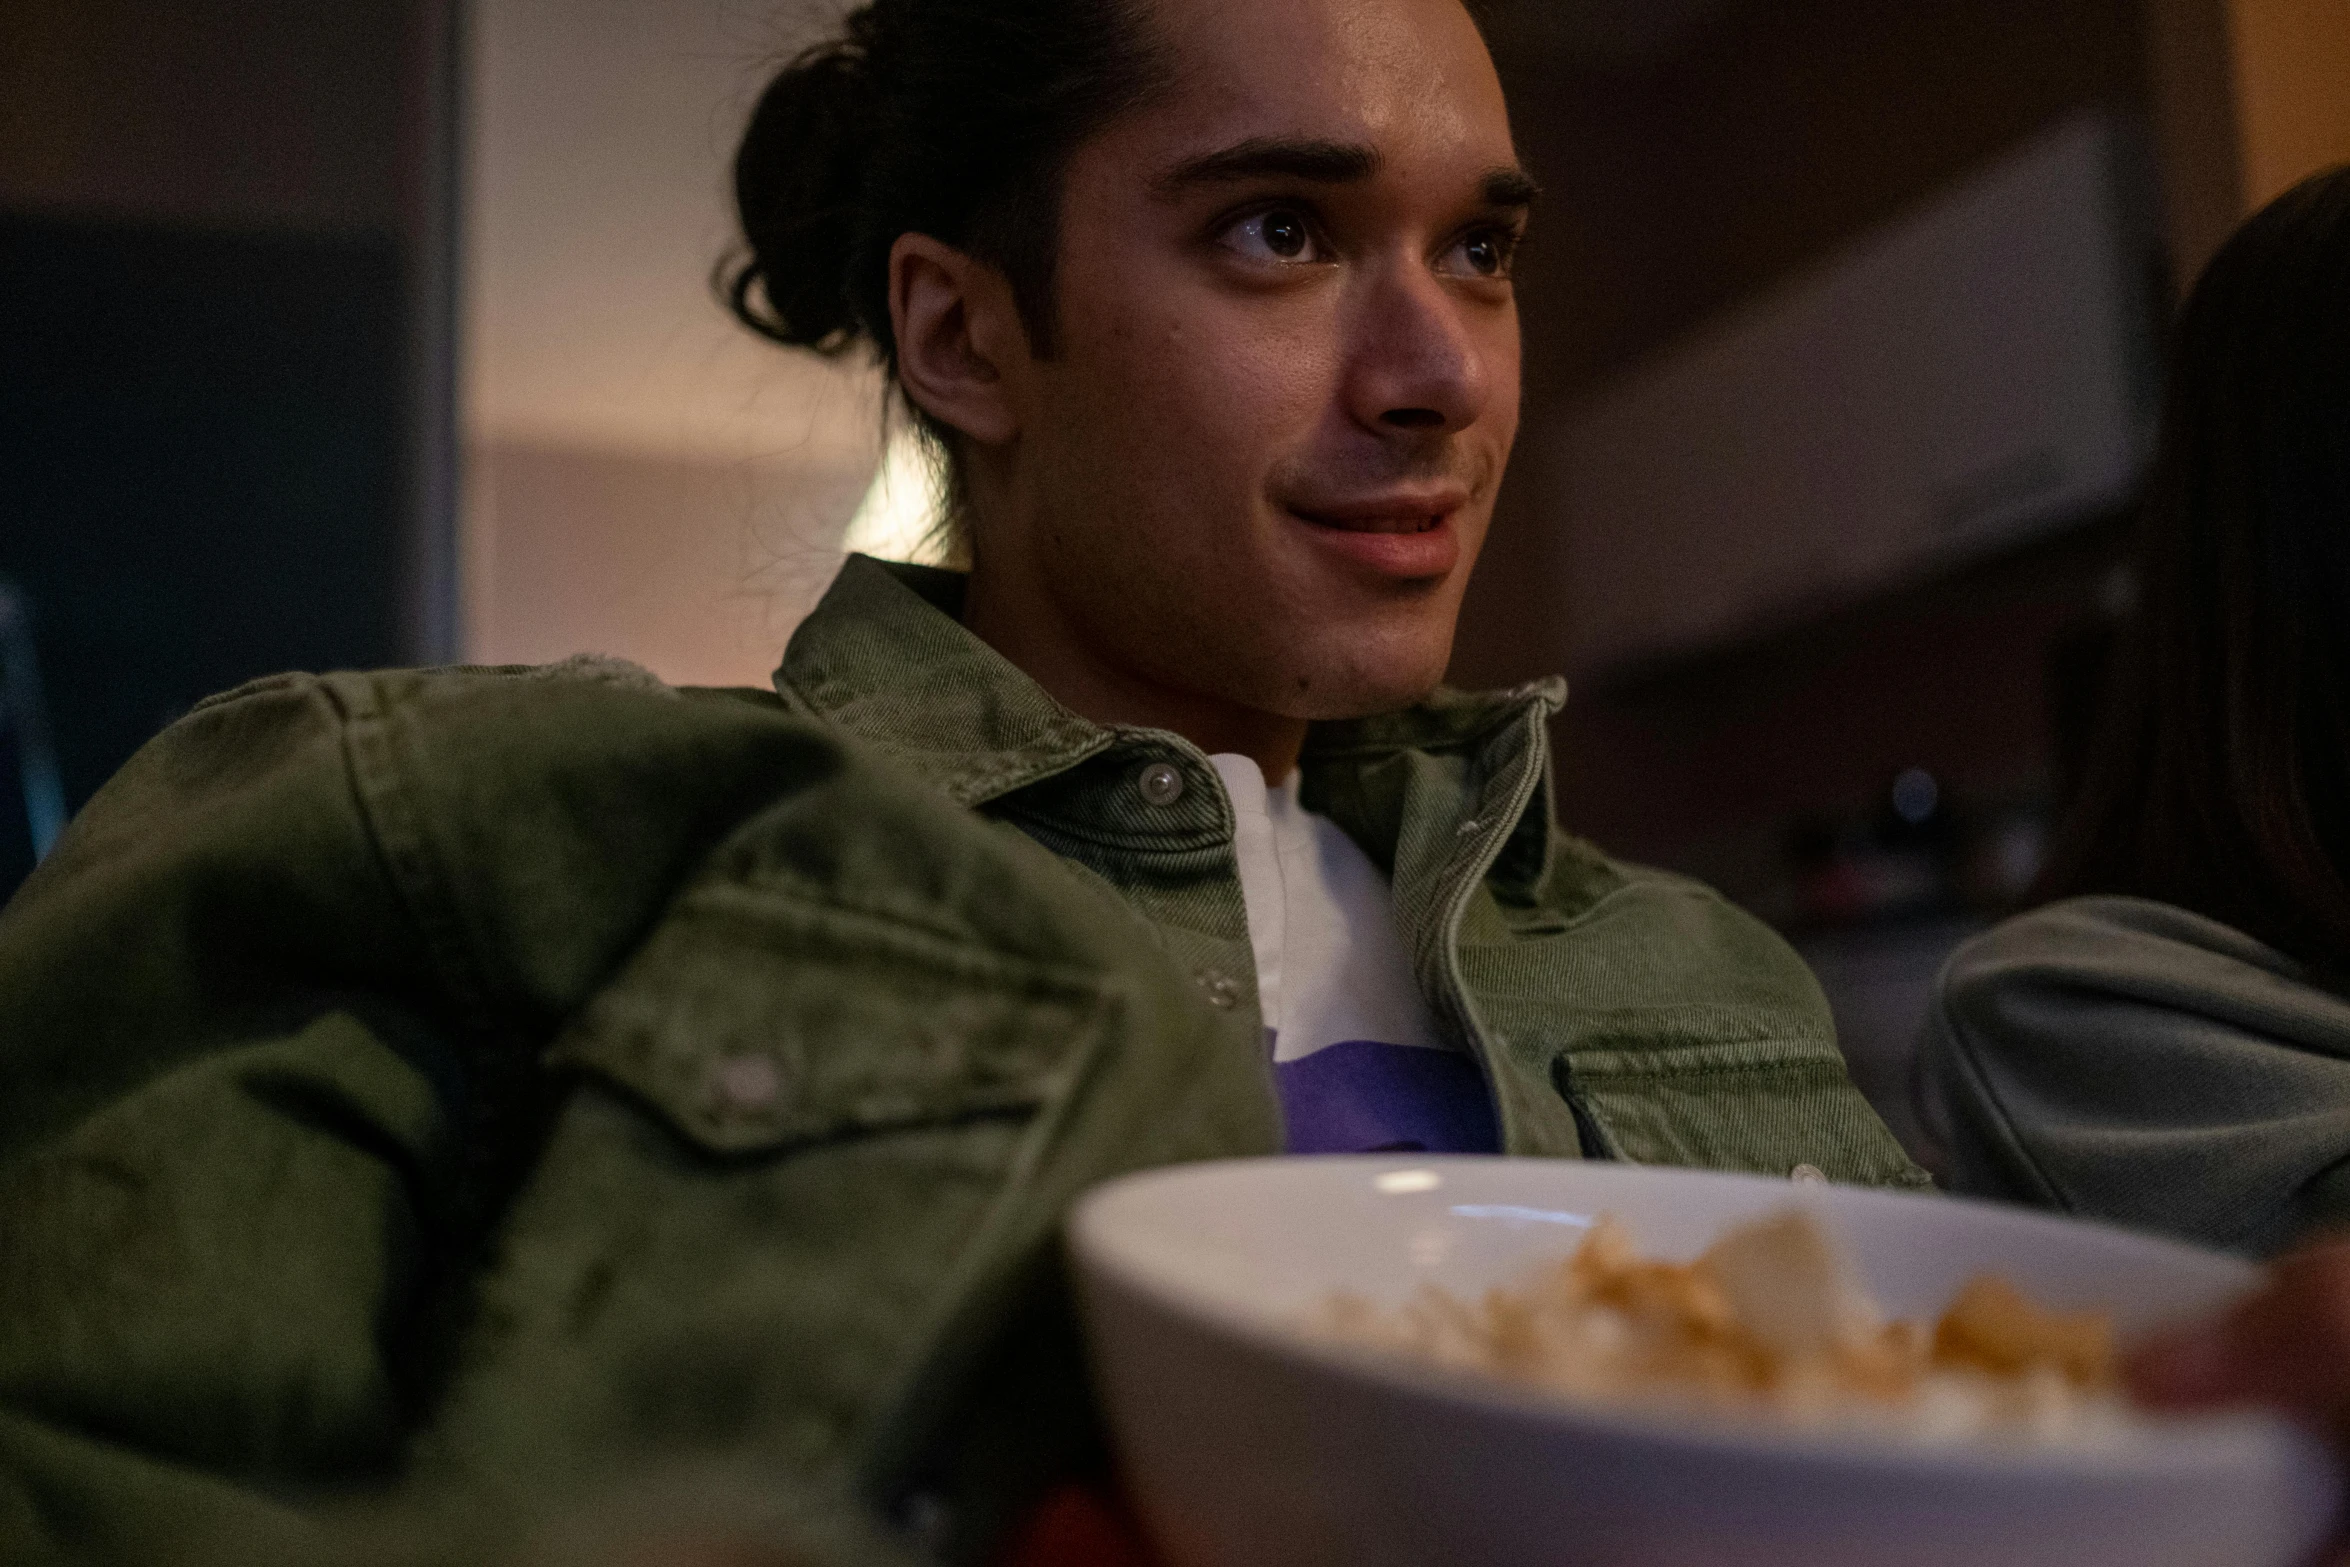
(2170,1445)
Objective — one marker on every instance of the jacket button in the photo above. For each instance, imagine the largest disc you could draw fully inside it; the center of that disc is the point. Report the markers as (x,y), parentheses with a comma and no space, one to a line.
(1808,1175)
(1223,990)
(1161,783)
(747,1084)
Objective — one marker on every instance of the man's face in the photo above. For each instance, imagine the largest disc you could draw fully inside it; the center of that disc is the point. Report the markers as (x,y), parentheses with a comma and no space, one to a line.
(1261,464)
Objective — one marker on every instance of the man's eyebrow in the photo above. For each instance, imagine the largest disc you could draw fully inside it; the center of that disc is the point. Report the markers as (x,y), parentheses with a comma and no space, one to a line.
(1263,157)
(1322,163)
(1508,187)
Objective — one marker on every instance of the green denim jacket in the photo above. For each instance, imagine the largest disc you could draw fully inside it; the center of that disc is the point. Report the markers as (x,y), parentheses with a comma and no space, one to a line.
(489,1093)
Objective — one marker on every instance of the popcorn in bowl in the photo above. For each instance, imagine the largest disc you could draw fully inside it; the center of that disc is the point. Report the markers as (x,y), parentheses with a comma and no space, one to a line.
(1771,1320)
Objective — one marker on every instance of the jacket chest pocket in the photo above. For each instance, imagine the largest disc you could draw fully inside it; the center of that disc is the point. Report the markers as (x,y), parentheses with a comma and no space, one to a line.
(755,1020)
(1767,1105)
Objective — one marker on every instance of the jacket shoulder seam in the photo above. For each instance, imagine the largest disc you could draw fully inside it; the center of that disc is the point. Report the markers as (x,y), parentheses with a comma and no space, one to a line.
(251,688)
(396,831)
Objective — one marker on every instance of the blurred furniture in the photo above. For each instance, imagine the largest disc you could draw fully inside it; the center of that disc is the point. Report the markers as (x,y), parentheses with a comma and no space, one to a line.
(227,293)
(202,447)
(1976,372)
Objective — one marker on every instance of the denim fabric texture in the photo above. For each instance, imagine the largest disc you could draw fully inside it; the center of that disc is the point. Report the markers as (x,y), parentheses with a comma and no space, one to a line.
(441,1109)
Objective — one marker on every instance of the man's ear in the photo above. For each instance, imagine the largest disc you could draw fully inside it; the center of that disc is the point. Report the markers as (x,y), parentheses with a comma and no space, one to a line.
(961,346)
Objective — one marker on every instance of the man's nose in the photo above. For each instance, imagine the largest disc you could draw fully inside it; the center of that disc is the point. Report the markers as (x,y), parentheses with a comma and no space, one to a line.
(1416,368)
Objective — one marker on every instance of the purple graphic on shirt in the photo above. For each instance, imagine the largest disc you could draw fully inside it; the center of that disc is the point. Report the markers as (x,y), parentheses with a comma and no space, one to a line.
(1361,1096)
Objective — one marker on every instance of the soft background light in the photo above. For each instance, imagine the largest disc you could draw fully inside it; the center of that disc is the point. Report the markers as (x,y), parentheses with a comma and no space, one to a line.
(644,477)
(901,515)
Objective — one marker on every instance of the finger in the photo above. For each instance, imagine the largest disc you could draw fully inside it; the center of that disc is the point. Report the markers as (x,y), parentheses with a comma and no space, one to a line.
(2187,1368)
(2287,1343)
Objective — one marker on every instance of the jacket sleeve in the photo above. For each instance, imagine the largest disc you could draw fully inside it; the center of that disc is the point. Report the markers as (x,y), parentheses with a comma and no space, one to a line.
(207,1291)
(267,1076)
(224,1132)
(2129,1061)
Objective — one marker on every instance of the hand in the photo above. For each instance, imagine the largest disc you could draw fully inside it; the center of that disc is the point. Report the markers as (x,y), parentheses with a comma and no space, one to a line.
(2286,1344)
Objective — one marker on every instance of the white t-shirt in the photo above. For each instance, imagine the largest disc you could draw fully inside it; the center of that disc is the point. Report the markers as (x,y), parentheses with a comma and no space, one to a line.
(1356,1058)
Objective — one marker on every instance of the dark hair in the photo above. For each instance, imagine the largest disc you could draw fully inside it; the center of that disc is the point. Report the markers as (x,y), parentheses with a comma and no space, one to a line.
(2221,775)
(952,118)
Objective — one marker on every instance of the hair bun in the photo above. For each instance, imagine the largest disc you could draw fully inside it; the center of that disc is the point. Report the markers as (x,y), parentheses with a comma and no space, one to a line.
(798,186)
(950,118)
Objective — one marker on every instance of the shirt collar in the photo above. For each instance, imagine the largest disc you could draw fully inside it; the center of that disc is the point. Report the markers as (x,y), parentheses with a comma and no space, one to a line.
(885,657)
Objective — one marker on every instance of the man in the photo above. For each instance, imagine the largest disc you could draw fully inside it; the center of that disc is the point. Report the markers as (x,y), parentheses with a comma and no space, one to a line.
(482,1089)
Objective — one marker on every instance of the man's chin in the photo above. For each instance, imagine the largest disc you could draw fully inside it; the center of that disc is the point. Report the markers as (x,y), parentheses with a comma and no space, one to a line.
(1334,697)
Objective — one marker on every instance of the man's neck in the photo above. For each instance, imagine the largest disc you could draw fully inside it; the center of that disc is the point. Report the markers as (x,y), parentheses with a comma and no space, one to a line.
(1027,631)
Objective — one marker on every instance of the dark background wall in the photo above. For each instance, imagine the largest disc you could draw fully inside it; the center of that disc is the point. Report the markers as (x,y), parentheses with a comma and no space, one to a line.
(1676,187)
(200,466)
(223,351)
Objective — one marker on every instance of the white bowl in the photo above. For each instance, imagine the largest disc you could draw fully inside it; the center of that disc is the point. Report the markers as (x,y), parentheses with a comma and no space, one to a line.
(1248,1440)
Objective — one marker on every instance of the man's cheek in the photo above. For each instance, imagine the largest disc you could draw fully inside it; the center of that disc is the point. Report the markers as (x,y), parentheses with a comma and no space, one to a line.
(1207,427)
(1255,360)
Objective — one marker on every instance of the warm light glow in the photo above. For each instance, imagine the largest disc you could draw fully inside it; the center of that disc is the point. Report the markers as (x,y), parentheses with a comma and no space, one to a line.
(900,515)
(2293,116)
(1396,1183)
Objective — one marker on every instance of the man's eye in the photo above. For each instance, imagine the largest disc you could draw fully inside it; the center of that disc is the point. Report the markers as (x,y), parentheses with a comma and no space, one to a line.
(1278,235)
(1485,253)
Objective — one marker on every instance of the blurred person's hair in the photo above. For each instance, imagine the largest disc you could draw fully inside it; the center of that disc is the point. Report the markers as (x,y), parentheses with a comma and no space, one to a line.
(2220,777)
(951,118)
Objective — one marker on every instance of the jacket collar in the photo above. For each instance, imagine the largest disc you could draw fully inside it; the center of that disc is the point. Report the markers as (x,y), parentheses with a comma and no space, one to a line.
(884,656)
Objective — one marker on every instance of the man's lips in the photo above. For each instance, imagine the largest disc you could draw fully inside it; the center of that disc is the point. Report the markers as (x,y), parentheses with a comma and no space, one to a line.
(1401,512)
(1406,537)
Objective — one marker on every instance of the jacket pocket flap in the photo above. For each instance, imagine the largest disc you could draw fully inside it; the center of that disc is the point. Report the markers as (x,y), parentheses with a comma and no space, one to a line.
(1761,1104)
(753,1019)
